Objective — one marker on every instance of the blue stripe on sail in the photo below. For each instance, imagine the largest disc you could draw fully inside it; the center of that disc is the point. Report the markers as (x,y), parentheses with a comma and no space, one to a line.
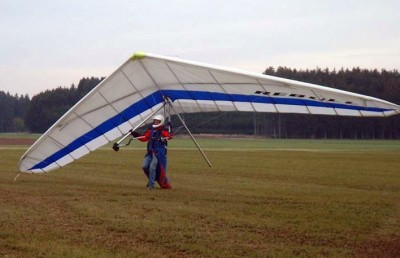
(128,113)
(218,96)
(157,97)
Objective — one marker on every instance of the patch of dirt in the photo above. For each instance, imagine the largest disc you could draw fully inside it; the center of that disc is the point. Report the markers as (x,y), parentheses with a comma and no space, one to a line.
(16,141)
(388,246)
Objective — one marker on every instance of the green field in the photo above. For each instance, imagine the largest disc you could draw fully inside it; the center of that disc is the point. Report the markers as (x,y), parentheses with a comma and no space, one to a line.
(261,198)
(19,135)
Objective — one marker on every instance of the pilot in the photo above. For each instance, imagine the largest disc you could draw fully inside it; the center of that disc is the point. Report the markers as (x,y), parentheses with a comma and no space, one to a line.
(155,161)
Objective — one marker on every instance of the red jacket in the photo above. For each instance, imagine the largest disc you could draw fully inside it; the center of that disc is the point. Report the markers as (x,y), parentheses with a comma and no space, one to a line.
(164,133)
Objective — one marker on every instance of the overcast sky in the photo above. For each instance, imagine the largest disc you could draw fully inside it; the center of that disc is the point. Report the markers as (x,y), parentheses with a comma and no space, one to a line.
(49,43)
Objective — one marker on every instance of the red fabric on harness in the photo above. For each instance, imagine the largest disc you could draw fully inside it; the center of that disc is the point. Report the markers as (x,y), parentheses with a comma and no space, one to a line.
(162,179)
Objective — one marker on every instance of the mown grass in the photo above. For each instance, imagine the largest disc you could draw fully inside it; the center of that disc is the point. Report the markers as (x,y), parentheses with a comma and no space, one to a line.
(20,135)
(294,198)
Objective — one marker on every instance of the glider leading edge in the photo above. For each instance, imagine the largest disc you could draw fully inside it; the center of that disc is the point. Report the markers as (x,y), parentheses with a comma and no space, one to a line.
(141,85)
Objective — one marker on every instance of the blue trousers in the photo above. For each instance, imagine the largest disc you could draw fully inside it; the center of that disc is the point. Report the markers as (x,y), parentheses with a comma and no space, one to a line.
(149,167)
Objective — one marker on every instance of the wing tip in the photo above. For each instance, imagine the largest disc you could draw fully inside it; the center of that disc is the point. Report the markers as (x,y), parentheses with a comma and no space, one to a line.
(138,55)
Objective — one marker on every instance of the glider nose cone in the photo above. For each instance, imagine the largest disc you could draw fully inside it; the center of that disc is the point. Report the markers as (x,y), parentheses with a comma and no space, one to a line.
(138,55)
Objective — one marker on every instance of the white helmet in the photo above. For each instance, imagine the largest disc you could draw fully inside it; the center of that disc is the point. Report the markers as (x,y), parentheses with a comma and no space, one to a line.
(160,118)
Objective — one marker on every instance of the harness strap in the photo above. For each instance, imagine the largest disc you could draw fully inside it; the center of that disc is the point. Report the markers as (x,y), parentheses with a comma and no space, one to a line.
(155,140)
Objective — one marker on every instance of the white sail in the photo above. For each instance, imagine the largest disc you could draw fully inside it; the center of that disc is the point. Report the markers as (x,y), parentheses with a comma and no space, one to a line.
(140,86)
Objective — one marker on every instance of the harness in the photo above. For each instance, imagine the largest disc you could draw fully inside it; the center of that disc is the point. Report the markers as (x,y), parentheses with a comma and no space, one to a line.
(156,142)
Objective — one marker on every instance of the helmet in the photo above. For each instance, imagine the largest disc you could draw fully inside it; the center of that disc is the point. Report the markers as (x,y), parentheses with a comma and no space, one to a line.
(160,118)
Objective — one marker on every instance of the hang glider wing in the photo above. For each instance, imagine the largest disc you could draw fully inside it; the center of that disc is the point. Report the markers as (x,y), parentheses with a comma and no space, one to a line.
(139,87)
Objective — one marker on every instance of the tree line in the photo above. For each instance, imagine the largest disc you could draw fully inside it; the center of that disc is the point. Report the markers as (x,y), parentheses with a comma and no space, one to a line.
(19,113)
(13,109)
(22,114)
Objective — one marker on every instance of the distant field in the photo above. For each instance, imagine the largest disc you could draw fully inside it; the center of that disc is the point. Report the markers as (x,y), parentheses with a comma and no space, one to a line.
(257,143)
(289,144)
(261,198)
(19,135)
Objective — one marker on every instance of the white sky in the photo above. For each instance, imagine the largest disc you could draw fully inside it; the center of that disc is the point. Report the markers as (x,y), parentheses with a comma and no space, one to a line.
(49,43)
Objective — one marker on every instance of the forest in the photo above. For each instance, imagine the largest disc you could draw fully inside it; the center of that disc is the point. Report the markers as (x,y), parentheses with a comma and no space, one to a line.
(19,113)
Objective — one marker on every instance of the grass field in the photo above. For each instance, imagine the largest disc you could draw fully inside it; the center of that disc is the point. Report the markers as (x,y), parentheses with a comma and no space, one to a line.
(261,198)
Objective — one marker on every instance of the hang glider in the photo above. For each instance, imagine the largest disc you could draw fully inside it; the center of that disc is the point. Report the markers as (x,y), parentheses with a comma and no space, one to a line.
(141,86)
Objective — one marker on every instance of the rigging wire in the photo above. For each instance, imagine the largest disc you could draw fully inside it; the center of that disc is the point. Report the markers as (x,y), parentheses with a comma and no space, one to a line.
(202,123)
